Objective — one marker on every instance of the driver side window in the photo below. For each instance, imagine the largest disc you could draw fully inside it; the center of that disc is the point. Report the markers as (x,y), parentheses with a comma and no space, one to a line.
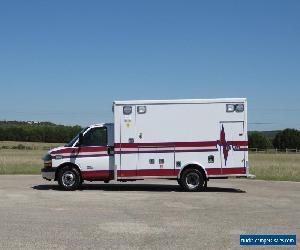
(95,137)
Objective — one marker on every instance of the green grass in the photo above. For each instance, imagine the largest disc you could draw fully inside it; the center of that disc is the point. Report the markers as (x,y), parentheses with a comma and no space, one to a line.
(16,159)
(28,145)
(278,167)
(22,161)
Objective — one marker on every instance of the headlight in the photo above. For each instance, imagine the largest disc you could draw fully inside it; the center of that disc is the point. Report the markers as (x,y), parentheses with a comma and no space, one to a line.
(47,161)
(47,164)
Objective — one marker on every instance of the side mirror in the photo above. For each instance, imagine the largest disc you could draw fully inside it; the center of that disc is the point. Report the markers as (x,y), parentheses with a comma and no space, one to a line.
(80,142)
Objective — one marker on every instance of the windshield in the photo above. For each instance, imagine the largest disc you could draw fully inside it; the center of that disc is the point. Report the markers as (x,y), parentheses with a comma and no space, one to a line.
(70,144)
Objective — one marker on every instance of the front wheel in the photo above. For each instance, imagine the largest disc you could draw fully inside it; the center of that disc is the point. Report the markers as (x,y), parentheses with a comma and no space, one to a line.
(69,178)
(180,183)
(192,180)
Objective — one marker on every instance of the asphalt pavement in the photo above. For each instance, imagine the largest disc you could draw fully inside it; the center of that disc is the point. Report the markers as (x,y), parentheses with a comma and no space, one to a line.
(151,214)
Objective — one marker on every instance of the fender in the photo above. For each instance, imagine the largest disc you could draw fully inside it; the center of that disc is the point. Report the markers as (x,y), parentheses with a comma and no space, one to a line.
(66,164)
(199,165)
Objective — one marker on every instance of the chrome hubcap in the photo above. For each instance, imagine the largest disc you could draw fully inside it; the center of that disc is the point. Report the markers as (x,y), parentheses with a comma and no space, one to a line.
(192,180)
(68,178)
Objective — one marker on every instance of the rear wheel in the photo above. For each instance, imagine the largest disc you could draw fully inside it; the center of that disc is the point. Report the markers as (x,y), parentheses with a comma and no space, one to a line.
(192,180)
(69,178)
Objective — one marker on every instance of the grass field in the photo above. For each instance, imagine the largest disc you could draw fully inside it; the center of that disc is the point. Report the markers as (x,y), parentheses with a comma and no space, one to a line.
(281,167)
(25,158)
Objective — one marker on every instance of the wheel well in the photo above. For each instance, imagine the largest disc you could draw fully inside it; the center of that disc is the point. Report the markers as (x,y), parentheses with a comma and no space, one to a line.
(64,165)
(194,166)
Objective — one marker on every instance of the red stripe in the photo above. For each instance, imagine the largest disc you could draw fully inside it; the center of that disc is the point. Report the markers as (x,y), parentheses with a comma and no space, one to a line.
(148,172)
(178,144)
(165,151)
(79,150)
(225,171)
(238,143)
(175,172)
(65,150)
(167,144)
(234,170)
(109,174)
(144,145)
(83,156)
(97,174)
(213,171)
(79,156)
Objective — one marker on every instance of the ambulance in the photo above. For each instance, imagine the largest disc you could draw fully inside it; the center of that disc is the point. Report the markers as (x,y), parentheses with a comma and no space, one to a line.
(190,140)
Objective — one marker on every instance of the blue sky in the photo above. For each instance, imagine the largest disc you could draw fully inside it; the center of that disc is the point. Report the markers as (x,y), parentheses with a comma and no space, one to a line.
(66,61)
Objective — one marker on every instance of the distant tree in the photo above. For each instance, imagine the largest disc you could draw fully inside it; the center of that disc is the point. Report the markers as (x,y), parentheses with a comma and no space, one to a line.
(259,140)
(37,132)
(288,138)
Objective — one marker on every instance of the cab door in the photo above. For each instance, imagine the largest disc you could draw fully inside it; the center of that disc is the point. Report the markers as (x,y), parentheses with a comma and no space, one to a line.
(93,155)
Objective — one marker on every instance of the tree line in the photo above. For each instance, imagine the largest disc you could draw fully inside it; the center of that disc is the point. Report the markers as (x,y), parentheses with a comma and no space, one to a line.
(287,138)
(37,132)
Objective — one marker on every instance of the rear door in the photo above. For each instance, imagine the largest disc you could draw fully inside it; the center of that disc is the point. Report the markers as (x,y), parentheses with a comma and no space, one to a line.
(232,147)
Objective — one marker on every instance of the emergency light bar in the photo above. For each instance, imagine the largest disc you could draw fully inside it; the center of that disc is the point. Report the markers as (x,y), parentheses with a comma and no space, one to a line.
(235,107)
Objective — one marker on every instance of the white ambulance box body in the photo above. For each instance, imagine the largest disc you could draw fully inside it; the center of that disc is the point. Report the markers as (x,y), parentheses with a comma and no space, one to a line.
(159,138)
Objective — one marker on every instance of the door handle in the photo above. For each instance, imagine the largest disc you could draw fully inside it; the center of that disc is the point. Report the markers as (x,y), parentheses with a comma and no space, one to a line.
(110,151)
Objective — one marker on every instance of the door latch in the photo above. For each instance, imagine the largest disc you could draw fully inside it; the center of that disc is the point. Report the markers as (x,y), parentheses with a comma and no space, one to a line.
(110,151)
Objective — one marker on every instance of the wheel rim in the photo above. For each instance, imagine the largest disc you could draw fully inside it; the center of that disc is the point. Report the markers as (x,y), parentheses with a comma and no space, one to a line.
(68,178)
(192,180)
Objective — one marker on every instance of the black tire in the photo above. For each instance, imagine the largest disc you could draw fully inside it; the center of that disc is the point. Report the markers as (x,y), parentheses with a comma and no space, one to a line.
(180,183)
(69,178)
(192,180)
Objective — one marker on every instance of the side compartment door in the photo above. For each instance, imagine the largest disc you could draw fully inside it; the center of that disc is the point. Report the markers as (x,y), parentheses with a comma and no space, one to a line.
(156,157)
(232,147)
(128,148)
(156,161)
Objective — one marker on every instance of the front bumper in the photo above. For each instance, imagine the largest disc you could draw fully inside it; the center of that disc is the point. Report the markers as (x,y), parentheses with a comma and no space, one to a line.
(48,173)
